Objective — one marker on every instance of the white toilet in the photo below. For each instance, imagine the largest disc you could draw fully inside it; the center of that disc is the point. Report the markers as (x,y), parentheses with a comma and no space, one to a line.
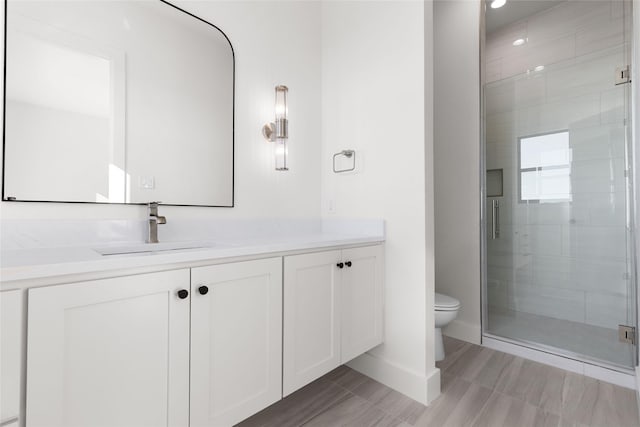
(446,308)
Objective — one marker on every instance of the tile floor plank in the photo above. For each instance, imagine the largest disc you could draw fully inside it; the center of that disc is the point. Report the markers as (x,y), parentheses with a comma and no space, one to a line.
(445,381)
(614,406)
(466,358)
(412,412)
(459,406)
(480,387)
(494,369)
(479,362)
(385,398)
(354,411)
(495,412)
(300,406)
(546,419)
(564,422)
(548,391)
(346,377)
(453,349)
(467,409)
(579,396)
(505,411)
(439,410)
(523,414)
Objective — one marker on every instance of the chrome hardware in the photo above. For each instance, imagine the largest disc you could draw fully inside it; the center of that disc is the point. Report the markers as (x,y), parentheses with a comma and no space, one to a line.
(153,220)
(627,334)
(623,75)
(348,154)
(274,130)
(495,220)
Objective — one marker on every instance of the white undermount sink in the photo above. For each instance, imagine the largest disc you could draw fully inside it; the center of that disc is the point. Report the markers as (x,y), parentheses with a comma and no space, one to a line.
(150,247)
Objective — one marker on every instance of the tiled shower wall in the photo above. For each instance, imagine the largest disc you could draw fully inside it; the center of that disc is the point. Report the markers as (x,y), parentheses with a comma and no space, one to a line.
(565,260)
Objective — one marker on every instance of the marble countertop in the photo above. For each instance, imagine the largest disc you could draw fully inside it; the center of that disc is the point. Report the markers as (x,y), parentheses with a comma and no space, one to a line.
(19,264)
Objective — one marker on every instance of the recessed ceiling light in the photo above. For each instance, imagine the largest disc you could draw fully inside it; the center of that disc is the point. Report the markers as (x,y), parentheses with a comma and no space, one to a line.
(498,3)
(539,68)
(518,42)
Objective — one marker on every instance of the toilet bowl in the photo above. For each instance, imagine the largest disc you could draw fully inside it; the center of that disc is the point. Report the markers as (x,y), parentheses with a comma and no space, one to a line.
(446,309)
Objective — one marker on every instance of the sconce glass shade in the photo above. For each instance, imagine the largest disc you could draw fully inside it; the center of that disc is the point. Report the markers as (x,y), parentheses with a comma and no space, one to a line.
(281,102)
(281,155)
(282,124)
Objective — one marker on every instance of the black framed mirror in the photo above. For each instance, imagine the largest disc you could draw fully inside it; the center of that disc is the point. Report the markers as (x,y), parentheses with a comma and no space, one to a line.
(117,102)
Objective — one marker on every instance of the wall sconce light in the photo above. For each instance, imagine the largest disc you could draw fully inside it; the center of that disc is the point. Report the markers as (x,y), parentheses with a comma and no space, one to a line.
(278,131)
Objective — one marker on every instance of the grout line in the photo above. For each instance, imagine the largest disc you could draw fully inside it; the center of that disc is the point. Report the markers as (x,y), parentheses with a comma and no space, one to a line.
(331,405)
(374,404)
(481,410)
(333,401)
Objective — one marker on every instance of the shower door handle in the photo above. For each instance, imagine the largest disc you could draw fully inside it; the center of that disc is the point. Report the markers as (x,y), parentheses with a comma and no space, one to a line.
(495,220)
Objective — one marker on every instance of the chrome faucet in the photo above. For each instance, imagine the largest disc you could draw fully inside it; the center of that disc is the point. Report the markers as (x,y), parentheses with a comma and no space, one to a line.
(154,220)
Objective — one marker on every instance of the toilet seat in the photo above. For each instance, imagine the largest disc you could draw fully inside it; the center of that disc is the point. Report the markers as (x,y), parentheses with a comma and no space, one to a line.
(446,303)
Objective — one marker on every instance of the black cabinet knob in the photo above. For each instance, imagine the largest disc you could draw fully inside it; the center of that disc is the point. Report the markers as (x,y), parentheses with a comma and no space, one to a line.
(183,293)
(203,290)
(340,265)
(348,263)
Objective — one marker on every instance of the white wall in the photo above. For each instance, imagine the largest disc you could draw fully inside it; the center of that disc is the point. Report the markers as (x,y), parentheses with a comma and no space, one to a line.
(457,169)
(374,67)
(266,55)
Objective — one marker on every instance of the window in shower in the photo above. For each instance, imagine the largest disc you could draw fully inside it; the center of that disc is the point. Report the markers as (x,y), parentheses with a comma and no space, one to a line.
(544,168)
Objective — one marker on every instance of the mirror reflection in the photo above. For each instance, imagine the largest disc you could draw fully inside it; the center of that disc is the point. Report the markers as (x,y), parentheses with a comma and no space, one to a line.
(117,102)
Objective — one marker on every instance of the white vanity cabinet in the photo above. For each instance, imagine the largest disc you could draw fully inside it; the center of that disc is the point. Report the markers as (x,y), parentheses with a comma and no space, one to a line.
(205,346)
(191,347)
(362,302)
(10,356)
(236,340)
(332,311)
(311,330)
(112,352)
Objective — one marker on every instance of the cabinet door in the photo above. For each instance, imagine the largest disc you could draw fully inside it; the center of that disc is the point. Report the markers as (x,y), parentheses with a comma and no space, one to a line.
(236,340)
(311,317)
(110,353)
(362,311)
(10,354)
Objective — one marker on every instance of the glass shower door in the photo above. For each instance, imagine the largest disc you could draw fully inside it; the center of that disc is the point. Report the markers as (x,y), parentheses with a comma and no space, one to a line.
(558,248)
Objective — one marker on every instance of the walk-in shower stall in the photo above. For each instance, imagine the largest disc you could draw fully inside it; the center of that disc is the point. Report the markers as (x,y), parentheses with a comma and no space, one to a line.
(558,254)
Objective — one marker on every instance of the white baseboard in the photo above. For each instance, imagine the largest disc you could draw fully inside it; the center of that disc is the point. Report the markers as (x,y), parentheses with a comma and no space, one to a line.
(423,389)
(463,331)
(627,380)
(433,386)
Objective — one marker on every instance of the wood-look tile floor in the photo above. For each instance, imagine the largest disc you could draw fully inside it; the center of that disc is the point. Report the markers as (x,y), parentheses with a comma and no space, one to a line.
(480,387)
